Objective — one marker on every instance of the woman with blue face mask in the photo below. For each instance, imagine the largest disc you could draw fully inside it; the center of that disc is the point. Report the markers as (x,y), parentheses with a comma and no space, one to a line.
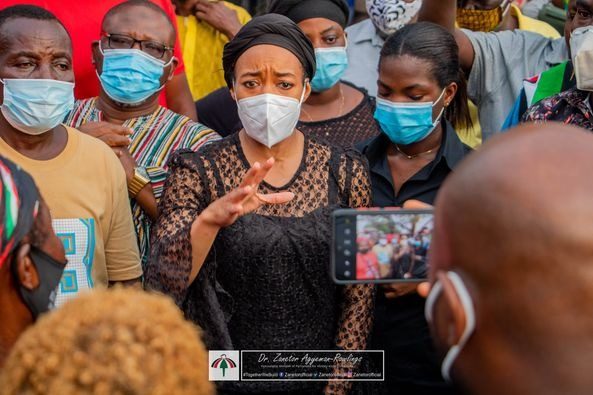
(336,111)
(421,99)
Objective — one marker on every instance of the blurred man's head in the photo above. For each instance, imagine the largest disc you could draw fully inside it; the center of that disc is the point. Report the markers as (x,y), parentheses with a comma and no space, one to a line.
(31,256)
(512,265)
(116,341)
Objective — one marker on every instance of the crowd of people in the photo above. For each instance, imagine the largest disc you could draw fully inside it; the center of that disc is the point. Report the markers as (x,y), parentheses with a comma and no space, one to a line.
(169,170)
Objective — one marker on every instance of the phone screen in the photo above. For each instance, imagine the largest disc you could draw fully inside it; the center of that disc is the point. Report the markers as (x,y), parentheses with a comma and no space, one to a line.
(387,245)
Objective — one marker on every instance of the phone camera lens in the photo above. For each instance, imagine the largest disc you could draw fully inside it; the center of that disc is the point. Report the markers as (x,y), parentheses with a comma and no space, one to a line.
(347,273)
(347,252)
(347,263)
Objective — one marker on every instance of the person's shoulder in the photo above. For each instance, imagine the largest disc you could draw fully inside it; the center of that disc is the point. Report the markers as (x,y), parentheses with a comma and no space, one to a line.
(189,125)
(360,30)
(95,153)
(188,158)
(546,108)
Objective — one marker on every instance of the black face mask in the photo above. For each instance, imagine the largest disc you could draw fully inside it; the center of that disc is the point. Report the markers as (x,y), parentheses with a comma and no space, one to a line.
(49,270)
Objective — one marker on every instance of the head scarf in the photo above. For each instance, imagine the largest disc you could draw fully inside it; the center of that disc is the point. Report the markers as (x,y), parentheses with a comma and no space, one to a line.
(391,15)
(299,10)
(272,29)
(19,200)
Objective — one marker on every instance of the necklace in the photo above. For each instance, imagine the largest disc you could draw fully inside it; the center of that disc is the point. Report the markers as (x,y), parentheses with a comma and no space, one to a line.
(341,108)
(415,155)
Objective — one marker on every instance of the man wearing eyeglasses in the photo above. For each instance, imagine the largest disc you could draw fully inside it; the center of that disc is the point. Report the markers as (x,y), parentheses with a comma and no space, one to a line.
(134,60)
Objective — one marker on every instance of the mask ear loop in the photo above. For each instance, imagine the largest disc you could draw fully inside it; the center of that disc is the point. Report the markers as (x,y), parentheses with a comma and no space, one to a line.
(470,324)
(303,93)
(438,119)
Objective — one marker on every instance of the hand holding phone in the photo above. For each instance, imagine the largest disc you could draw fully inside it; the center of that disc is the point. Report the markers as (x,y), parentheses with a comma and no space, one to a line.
(381,246)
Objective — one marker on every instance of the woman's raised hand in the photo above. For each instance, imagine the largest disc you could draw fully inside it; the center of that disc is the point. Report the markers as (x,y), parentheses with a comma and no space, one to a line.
(224,212)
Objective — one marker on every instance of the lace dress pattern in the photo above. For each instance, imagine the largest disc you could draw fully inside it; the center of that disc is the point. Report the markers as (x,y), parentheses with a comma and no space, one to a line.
(265,283)
(348,129)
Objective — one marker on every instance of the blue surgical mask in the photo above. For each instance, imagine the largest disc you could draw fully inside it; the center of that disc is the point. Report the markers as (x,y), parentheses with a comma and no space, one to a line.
(131,76)
(407,123)
(34,106)
(331,65)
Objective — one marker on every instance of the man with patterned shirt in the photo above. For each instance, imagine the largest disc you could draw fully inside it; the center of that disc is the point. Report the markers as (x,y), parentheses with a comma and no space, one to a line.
(134,59)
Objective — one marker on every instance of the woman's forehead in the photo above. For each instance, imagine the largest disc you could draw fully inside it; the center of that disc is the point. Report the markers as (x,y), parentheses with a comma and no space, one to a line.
(268,56)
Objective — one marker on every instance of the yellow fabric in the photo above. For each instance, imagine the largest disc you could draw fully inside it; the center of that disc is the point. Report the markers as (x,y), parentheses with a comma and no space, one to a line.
(86,183)
(471,136)
(202,47)
(479,20)
(533,25)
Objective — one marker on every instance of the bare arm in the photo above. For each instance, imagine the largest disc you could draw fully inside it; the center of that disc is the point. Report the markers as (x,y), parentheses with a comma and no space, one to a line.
(179,98)
(444,13)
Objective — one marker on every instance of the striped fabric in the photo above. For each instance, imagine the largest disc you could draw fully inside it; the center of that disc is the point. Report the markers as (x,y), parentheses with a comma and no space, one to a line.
(154,138)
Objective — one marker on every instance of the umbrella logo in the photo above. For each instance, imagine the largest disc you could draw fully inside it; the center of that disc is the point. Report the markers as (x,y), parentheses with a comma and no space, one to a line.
(223,363)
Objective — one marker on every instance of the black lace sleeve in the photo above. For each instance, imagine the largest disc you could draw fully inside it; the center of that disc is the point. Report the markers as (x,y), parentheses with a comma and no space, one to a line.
(356,317)
(183,199)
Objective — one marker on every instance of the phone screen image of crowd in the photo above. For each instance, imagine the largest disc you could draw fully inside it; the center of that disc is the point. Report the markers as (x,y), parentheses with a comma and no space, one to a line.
(393,246)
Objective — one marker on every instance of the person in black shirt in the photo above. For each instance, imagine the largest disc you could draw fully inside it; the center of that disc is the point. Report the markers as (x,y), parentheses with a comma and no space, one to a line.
(422,96)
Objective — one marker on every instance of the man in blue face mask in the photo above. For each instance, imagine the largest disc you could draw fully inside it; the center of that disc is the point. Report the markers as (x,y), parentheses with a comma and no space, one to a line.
(134,60)
(80,178)
(511,269)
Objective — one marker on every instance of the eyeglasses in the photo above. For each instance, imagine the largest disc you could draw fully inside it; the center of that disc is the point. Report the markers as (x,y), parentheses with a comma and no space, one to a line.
(121,41)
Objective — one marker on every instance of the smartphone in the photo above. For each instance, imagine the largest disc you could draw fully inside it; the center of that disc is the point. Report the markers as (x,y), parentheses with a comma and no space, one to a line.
(380,245)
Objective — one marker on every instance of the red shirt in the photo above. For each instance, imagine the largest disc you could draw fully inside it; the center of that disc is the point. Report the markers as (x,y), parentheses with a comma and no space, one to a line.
(83,21)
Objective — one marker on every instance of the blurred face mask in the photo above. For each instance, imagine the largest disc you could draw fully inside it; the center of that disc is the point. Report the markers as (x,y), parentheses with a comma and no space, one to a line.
(470,318)
(482,20)
(581,50)
(269,118)
(407,123)
(331,65)
(391,15)
(42,298)
(131,76)
(34,106)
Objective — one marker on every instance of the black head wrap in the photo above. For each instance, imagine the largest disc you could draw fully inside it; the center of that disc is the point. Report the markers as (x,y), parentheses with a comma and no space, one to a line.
(299,10)
(272,29)
(18,206)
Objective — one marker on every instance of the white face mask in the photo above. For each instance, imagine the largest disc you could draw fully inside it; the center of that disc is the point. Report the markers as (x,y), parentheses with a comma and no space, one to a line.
(391,15)
(34,106)
(470,318)
(581,50)
(269,118)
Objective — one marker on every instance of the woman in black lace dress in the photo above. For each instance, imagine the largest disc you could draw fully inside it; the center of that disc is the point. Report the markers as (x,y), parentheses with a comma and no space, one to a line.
(242,242)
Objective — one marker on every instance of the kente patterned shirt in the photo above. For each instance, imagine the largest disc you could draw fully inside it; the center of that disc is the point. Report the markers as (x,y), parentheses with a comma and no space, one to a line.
(154,138)
(570,107)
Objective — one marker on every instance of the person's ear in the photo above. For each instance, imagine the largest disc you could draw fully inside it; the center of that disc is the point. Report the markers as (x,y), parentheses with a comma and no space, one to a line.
(307,90)
(451,313)
(172,67)
(26,271)
(97,56)
(449,95)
